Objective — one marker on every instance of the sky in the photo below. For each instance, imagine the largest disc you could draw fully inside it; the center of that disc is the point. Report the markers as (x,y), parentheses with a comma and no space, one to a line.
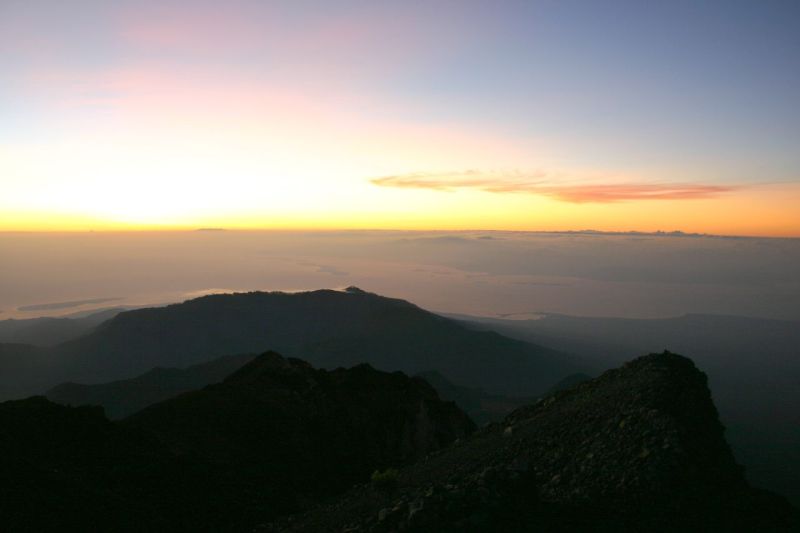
(504,115)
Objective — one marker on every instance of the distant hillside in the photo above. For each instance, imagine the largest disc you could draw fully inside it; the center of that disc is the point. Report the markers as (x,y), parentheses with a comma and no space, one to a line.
(125,397)
(480,405)
(25,370)
(638,449)
(329,328)
(49,331)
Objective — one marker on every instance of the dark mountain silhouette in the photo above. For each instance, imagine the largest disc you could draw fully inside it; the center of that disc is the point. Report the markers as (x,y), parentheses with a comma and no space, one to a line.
(273,412)
(329,328)
(70,469)
(273,437)
(125,397)
(49,331)
(480,405)
(753,366)
(25,369)
(638,449)
(568,382)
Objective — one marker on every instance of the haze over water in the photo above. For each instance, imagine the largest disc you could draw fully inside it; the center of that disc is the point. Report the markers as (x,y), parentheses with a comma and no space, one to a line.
(510,274)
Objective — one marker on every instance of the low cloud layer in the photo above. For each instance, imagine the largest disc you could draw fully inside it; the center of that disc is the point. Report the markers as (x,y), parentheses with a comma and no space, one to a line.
(545,184)
(580,273)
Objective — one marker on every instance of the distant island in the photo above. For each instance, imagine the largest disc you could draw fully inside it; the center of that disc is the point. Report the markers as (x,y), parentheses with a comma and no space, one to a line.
(66,305)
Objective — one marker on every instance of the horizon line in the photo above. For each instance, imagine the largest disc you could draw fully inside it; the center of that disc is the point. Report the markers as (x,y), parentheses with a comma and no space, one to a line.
(653,233)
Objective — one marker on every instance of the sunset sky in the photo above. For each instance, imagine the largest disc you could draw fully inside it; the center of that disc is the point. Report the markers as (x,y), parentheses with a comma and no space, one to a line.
(522,115)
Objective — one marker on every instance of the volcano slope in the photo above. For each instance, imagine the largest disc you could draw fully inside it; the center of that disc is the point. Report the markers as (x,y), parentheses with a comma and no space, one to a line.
(640,448)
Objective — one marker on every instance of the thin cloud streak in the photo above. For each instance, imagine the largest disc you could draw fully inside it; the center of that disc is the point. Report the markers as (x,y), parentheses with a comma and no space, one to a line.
(544,183)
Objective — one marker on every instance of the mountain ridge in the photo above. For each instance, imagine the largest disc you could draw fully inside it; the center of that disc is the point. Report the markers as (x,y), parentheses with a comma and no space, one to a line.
(329,328)
(273,438)
(124,397)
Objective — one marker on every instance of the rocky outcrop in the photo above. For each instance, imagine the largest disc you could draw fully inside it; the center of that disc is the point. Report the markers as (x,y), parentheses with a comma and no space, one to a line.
(272,438)
(640,448)
(299,433)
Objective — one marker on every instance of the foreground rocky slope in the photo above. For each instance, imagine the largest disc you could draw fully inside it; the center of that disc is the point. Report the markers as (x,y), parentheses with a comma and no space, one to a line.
(639,449)
(753,365)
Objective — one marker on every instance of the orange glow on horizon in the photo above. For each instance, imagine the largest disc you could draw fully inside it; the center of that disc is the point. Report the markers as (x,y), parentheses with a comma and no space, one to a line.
(768,212)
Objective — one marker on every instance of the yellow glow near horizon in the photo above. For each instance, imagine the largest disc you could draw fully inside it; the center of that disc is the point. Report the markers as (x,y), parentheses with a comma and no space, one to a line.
(255,176)
(771,213)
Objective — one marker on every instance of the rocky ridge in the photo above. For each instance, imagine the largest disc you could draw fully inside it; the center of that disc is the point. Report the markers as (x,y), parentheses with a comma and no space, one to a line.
(640,448)
(274,437)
